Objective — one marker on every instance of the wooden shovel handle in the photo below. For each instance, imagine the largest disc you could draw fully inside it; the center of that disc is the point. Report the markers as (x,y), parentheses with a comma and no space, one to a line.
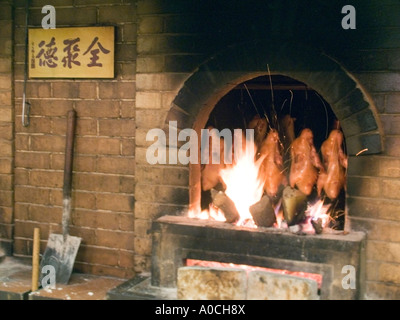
(69,150)
(35,259)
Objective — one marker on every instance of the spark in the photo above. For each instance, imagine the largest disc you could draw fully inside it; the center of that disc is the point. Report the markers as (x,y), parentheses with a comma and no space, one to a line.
(363,150)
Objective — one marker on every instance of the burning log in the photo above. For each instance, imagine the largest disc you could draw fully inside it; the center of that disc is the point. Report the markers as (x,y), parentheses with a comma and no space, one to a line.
(294,204)
(317,225)
(263,213)
(226,205)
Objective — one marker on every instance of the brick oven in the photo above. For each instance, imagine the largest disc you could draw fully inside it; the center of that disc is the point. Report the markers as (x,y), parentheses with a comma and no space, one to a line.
(183,62)
(336,69)
(177,239)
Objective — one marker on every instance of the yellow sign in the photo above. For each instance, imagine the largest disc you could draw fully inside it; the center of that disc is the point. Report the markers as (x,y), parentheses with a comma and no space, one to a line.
(71,52)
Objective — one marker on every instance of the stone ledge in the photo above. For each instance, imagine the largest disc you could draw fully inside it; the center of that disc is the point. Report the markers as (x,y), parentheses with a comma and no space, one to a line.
(139,288)
(177,238)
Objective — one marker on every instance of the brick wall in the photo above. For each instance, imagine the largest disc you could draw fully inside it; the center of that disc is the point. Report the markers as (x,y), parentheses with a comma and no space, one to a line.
(373,199)
(104,162)
(6,128)
(160,189)
(159,45)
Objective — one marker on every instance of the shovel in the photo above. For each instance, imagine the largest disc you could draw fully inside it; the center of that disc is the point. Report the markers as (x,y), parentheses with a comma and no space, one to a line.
(62,248)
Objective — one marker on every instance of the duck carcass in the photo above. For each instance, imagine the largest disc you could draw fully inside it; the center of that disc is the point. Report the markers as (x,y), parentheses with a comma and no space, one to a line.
(271,168)
(260,129)
(333,180)
(305,162)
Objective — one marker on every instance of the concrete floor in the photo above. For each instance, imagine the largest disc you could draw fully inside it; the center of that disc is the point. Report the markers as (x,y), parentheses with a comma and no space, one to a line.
(16,281)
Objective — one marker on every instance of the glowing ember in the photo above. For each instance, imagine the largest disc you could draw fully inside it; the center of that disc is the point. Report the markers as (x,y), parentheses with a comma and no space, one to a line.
(214,264)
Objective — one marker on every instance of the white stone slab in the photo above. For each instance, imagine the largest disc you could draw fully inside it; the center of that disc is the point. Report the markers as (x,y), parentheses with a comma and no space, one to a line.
(263,285)
(202,283)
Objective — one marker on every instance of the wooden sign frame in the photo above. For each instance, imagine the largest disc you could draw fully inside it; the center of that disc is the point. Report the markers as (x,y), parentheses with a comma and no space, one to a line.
(75,52)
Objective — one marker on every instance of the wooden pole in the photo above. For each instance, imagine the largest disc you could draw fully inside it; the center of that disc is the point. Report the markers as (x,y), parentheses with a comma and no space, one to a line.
(35,259)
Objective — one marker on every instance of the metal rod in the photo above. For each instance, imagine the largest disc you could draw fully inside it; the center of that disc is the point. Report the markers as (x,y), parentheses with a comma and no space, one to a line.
(271,87)
(277,87)
(26,106)
(274,114)
(251,98)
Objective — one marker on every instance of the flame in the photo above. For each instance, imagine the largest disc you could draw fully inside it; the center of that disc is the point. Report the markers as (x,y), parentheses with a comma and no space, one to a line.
(315,211)
(212,213)
(245,188)
(279,214)
(243,185)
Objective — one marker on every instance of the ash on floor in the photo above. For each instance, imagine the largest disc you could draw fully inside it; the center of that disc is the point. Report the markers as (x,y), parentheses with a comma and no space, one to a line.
(16,282)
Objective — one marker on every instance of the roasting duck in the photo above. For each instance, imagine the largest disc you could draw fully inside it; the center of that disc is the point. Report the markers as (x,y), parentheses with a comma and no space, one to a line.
(260,129)
(305,162)
(333,180)
(271,169)
(287,128)
(287,135)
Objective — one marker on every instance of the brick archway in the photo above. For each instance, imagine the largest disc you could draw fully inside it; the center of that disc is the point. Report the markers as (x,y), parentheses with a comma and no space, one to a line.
(217,76)
(349,101)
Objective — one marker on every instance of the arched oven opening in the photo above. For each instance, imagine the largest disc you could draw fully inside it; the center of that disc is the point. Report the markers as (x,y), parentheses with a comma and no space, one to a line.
(290,227)
(291,181)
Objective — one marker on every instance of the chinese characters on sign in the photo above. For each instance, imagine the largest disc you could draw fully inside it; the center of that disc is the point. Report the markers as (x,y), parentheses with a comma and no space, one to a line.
(71,53)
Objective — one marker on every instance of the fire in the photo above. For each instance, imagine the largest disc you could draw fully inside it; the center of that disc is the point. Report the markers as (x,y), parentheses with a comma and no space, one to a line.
(245,188)
(243,185)
(212,213)
(279,214)
(318,213)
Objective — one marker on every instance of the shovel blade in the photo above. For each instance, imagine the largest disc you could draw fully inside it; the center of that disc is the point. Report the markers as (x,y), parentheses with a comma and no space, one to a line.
(61,255)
